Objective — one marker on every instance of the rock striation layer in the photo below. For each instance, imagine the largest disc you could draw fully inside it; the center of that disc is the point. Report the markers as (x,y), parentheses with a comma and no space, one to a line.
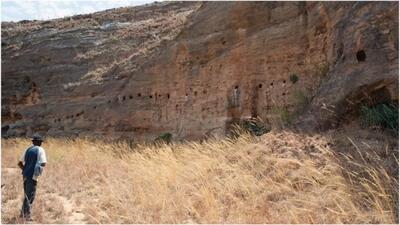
(195,68)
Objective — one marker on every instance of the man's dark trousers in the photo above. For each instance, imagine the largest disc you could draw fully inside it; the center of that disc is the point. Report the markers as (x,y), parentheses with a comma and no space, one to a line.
(29,196)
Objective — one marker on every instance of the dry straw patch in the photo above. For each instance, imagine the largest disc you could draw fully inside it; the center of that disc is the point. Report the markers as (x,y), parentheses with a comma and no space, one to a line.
(279,178)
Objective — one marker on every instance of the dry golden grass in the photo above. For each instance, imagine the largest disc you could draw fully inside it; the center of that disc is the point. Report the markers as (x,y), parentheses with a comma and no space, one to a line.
(281,177)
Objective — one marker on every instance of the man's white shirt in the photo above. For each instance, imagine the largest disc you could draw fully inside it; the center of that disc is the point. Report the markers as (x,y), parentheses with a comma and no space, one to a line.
(41,156)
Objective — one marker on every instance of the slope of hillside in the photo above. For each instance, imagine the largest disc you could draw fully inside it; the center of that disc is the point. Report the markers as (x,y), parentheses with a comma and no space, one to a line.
(193,69)
(281,177)
(59,76)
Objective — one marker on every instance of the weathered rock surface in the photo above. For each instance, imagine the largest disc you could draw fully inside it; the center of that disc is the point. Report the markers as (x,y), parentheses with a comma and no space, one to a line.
(363,59)
(193,68)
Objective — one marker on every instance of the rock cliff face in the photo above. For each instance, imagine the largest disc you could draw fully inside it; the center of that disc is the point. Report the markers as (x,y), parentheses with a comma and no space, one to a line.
(193,68)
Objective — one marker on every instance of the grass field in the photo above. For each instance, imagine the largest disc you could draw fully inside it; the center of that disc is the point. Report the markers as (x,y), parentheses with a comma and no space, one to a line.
(281,177)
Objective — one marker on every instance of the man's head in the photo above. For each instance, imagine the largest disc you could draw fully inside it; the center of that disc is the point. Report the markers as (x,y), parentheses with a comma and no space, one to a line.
(37,140)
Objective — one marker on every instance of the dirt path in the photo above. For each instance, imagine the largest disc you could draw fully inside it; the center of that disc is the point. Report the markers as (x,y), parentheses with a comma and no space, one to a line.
(73,213)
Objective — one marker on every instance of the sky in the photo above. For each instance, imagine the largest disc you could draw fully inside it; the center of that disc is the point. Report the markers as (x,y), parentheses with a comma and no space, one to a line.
(16,10)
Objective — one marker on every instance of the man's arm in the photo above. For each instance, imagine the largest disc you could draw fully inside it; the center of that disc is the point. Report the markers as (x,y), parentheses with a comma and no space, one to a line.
(21,165)
(22,160)
(42,157)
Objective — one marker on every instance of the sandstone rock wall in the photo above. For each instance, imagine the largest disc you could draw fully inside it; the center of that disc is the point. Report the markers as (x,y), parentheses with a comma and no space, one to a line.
(192,69)
(364,69)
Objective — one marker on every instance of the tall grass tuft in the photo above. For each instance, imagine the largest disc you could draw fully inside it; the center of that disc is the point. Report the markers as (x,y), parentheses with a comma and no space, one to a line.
(384,115)
(280,177)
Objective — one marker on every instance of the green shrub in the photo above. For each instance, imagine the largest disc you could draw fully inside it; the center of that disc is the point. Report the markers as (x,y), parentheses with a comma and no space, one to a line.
(294,78)
(286,118)
(113,39)
(322,69)
(301,100)
(165,137)
(255,126)
(385,115)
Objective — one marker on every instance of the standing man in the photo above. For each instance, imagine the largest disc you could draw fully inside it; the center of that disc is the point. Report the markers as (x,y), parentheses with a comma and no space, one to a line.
(31,162)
